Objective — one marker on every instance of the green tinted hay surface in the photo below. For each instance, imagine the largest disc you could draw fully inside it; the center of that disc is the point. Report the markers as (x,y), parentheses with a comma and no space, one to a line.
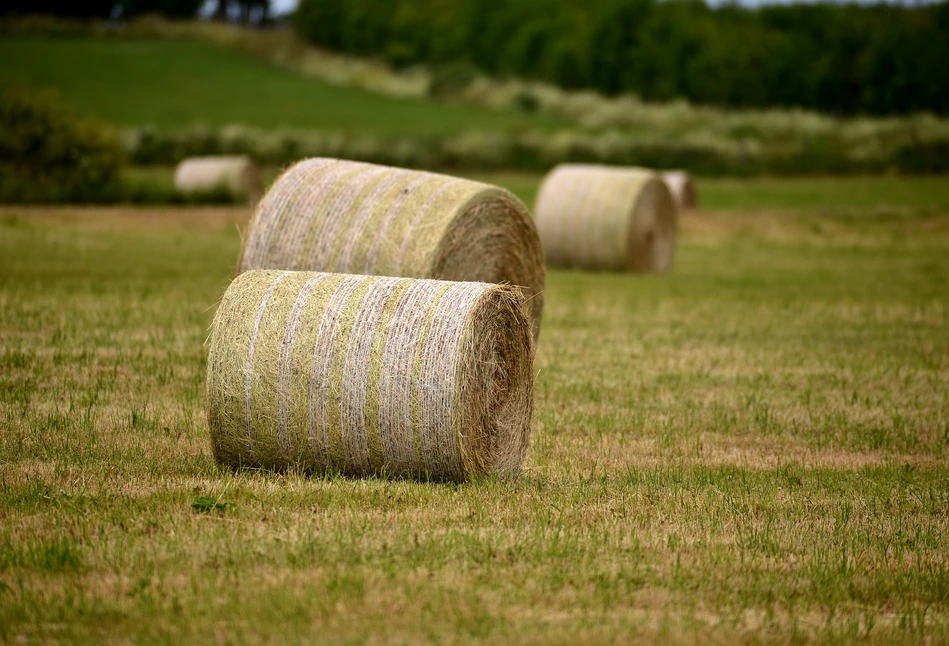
(349,217)
(178,83)
(752,449)
(353,374)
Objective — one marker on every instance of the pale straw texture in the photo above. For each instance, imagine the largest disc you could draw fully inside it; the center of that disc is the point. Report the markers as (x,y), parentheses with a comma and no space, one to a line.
(370,375)
(351,217)
(682,187)
(236,174)
(603,218)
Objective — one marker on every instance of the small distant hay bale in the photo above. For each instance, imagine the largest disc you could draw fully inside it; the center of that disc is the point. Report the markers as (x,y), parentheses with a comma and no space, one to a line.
(351,217)
(238,175)
(682,188)
(603,218)
(370,375)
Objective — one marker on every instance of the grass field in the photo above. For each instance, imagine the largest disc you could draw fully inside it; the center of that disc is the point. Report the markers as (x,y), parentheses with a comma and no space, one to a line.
(754,449)
(856,195)
(168,83)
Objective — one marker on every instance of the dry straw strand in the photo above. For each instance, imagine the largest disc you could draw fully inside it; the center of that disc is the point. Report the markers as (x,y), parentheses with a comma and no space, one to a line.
(603,218)
(682,187)
(344,216)
(236,174)
(370,375)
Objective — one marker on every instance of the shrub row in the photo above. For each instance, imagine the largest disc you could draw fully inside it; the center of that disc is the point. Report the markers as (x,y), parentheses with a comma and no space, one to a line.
(538,151)
(49,155)
(125,188)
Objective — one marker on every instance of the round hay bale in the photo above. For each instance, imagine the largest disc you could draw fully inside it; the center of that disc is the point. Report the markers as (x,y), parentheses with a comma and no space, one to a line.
(236,174)
(370,375)
(682,188)
(602,218)
(351,217)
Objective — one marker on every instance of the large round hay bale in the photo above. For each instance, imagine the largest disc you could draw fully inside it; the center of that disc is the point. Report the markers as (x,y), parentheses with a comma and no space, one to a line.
(682,188)
(602,218)
(350,217)
(238,175)
(370,375)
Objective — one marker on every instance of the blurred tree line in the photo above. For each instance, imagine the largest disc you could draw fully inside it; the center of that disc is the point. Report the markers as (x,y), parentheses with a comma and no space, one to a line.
(843,59)
(239,10)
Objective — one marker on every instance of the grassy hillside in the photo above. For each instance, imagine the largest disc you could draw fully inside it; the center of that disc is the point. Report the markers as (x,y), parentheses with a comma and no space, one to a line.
(288,96)
(750,450)
(175,83)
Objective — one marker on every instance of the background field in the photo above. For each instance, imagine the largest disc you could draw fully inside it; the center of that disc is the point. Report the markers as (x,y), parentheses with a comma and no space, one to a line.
(175,90)
(750,450)
(179,83)
(881,195)
(754,449)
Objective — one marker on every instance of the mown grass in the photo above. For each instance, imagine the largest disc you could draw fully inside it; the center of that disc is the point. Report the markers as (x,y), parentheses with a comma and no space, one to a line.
(750,450)
(828,193)
(846,197)
(178,83)
(839,196)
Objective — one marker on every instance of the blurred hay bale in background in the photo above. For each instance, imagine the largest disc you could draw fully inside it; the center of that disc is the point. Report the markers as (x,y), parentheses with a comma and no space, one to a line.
(370,375)
(598,217)
(236,174)
(682,187)
(351,217)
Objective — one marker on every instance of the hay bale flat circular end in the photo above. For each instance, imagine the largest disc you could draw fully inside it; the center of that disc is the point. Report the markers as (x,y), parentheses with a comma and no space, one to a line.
(603,218)
(350,217)
(370,375)
(236,174)
(682,187)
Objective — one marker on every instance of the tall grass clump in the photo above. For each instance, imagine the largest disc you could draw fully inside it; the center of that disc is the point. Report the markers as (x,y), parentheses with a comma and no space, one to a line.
(48,155)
